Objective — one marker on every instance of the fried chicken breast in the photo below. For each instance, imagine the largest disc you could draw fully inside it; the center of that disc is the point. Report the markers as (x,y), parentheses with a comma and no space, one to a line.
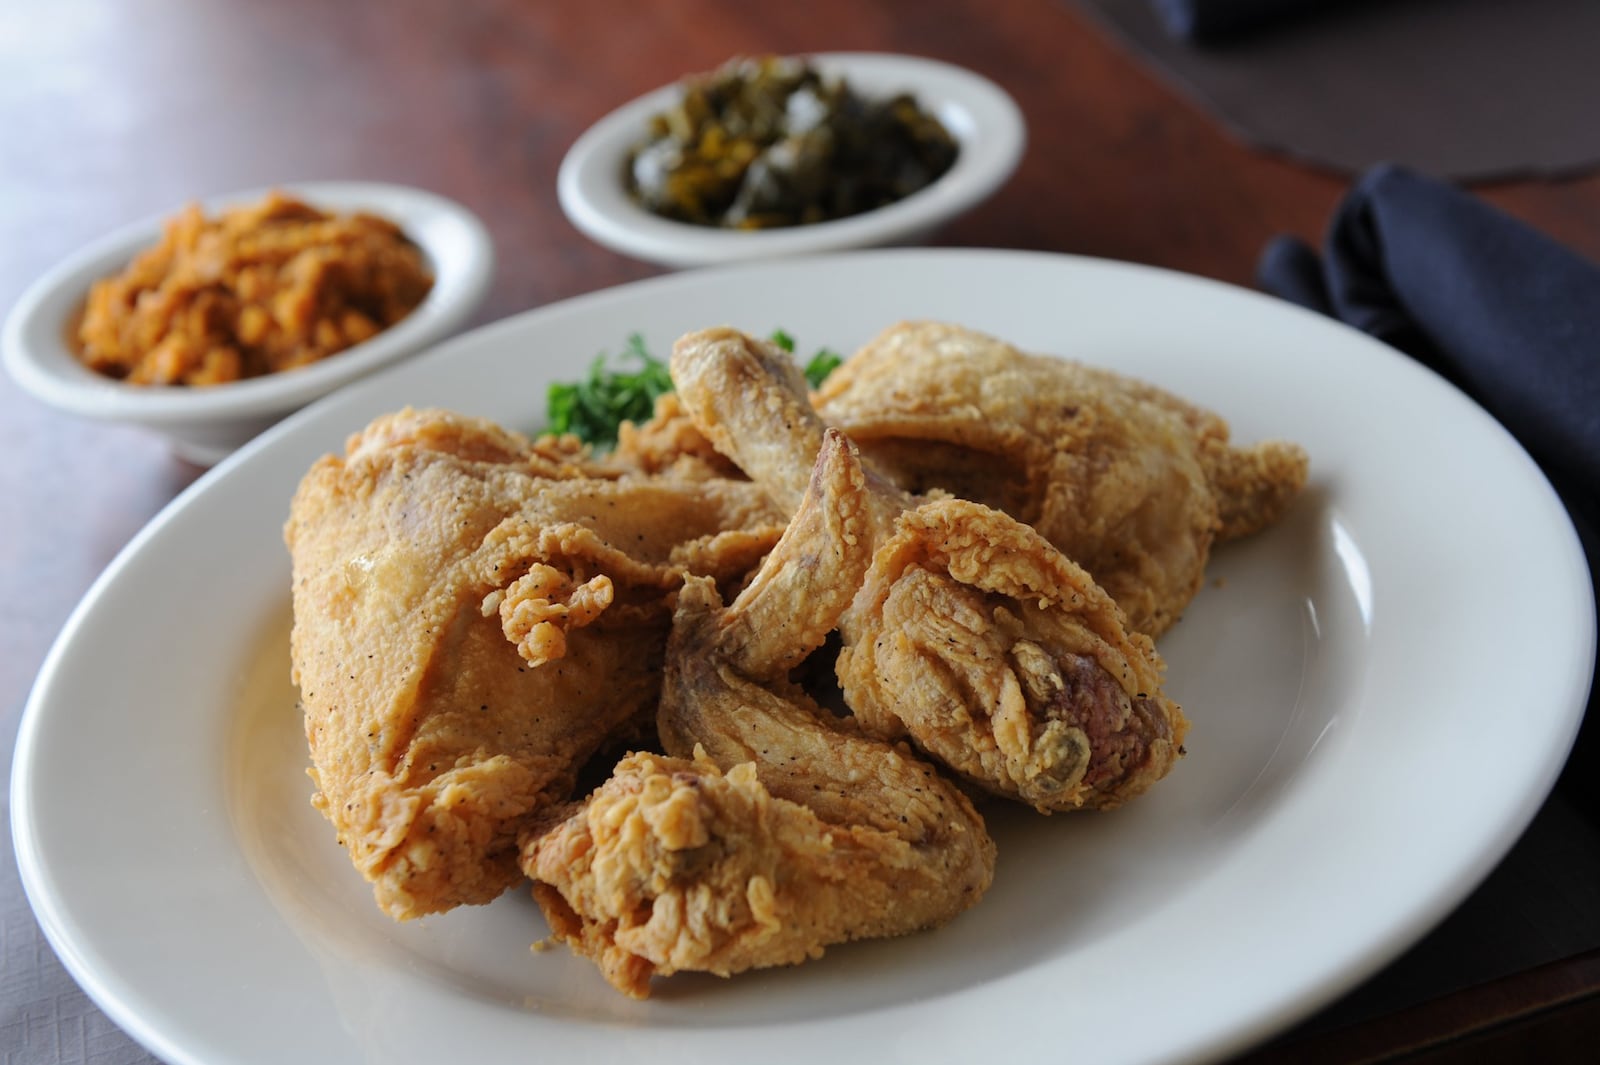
(475,615)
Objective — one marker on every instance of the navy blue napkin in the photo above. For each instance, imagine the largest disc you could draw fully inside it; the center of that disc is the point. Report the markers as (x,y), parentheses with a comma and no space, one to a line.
(1509,315)
(1211,21)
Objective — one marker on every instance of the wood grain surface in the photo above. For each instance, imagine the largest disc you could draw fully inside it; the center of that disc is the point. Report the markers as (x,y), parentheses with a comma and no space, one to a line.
(111,110)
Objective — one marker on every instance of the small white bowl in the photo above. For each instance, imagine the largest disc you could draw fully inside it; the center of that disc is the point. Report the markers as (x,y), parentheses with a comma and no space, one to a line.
(983,119)
(205,424)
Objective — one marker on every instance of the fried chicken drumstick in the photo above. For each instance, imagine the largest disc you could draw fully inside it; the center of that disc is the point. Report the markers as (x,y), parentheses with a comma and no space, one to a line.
(475,616)
(971,634)
(777,829)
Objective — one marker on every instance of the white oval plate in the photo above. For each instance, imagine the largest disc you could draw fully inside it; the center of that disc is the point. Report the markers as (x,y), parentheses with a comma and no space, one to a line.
(206,423)
(1351,775)
(983,119)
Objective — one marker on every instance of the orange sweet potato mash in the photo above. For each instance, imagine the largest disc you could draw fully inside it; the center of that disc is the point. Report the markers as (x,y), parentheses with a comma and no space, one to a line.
(254,291)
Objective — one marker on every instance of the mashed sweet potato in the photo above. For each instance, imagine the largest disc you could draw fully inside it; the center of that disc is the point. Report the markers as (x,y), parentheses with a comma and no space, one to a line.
(259,289)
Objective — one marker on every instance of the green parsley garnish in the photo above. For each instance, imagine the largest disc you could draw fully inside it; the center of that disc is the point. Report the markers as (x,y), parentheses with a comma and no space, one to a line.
(593,409)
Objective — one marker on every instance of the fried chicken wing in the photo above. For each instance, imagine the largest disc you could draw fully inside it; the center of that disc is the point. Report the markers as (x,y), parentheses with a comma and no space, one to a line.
(475,615)
(778,830)
(1129,481)
(972,635)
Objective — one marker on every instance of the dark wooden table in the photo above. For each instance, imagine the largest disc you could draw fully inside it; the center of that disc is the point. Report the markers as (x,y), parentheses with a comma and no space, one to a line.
(113,110)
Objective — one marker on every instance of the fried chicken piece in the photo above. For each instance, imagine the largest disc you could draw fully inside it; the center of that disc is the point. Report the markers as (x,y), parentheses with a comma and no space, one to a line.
(1132,482)
(1006,662)
(971,634)
(668,443)
(784,830)
(475,615)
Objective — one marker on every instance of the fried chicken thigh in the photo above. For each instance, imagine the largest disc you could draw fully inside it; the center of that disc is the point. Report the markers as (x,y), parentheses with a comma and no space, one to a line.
(1129,481)
(970,633)
(777,829)
(474,616)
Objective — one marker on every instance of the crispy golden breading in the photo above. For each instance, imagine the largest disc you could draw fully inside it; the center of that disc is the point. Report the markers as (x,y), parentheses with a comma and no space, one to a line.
(475,616)
(1004,660)
(668,443)
(779,830)
(1038,690)
(478,615)
(674,866)
(1129,481)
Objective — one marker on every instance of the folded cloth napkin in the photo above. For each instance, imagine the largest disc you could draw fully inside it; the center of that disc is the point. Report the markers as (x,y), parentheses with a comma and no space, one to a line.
(1212,21)
(1509,315)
